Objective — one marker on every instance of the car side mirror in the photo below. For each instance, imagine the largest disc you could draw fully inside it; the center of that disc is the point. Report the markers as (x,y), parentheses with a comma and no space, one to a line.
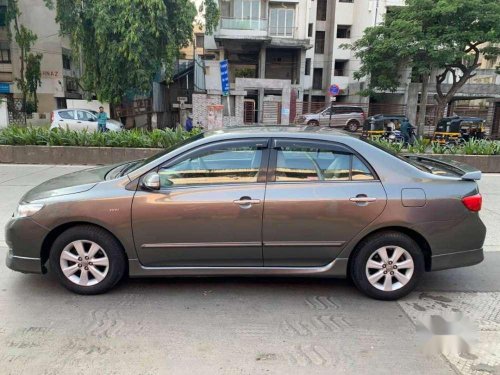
(151,181)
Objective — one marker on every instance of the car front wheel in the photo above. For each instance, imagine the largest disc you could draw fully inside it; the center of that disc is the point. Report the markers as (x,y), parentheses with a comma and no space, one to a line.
(387,266)
(87,260)
(353,126)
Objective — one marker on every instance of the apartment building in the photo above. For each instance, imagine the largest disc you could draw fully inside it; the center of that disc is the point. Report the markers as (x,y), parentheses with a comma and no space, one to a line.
(284,54)
(59,73)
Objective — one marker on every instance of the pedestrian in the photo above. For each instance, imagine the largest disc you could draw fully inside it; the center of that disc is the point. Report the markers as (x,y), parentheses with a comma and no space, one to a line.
(102,117)
(189,123)
(406,128)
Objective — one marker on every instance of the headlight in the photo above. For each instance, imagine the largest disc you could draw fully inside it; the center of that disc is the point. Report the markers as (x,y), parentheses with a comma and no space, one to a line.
(28,209)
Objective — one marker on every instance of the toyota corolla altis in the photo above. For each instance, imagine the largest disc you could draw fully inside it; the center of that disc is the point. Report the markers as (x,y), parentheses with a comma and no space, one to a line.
(277,201)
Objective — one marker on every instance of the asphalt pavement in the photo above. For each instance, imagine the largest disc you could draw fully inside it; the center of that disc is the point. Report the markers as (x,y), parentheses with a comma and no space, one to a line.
(249,325)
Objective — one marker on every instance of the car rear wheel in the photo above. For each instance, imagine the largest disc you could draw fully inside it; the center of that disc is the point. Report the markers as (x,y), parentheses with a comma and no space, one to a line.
(87,260)
(352,126)
(387,266)
(313,123)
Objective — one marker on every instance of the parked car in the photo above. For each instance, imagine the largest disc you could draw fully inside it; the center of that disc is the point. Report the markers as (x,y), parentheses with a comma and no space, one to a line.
(256,201)
(80,119)
(343,116)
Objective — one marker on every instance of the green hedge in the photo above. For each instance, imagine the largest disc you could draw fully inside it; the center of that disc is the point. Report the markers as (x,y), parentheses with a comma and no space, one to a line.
(426,146)
(18,136)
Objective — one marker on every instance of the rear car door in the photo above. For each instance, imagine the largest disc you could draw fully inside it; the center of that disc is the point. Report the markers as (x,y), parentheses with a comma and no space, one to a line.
(318,197)
(208,211)
(66,119)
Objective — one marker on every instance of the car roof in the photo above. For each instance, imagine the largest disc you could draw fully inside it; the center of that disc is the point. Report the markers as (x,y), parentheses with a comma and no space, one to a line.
(277,131)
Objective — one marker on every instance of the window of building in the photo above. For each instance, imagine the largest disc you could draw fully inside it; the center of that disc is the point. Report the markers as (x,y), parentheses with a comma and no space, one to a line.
(66,59)
(308,67)
(3,14)
(343,31)
(200,41)
(319,42)
(318,78)
(321,10)
(246,9)
(298,162)
(5,53)
(340,68)
(310,30)
(223,164)
(281,21)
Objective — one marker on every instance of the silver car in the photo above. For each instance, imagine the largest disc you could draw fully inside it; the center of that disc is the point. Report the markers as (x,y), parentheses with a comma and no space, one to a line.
(80,119)
(346,117)
(285,201)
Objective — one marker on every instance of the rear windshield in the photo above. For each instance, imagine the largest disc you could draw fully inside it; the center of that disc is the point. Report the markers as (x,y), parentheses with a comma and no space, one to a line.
(428,166)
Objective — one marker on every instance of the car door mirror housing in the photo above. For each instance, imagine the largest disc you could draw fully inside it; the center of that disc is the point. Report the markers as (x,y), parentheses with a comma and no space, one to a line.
(151,181)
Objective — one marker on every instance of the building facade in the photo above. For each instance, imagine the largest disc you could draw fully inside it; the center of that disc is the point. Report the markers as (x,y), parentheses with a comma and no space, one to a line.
(284,55)
(59,73)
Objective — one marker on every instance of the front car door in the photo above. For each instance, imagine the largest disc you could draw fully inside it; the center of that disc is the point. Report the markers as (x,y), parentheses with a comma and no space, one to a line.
(319,197)
(85,121)
(208,211)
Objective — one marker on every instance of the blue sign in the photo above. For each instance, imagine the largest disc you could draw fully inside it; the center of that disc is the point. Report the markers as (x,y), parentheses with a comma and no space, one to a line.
(224,77)
(4,88)
(334,90)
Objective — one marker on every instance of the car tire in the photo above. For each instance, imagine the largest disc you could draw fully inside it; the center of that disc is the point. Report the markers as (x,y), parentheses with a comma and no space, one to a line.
(352,126)
(313,123)
(388,277)
(87,260)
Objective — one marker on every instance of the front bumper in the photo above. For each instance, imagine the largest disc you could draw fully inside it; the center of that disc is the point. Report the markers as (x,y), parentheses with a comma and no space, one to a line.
(24,264)
(458,259)
(24,238)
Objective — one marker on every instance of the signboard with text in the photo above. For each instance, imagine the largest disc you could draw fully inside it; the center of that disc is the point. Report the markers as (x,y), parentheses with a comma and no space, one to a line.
(224,77)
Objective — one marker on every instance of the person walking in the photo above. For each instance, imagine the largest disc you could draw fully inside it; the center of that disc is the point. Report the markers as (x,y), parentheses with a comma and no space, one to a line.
(406,128)
(189,123)
(102,117)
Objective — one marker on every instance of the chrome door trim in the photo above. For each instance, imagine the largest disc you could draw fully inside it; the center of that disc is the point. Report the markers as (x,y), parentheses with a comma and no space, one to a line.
(304,243)
(201,244)
(362,199)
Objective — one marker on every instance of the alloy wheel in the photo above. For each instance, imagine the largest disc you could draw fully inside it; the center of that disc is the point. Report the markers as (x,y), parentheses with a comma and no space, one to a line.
(389,268)
(84,262)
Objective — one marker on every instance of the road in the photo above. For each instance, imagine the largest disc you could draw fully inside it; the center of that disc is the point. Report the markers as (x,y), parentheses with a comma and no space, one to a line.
(243,325)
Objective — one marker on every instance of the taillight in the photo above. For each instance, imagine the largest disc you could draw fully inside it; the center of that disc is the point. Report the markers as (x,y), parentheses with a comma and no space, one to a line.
(473,202)
(52,116)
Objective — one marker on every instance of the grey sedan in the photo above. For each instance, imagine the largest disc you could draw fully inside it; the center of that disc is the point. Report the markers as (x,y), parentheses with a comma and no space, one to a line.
(278,201)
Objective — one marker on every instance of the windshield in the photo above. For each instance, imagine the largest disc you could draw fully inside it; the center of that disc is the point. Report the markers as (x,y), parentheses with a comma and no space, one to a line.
(131,166)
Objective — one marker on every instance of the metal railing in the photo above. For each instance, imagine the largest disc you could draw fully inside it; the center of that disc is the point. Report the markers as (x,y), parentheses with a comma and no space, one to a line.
(259,24)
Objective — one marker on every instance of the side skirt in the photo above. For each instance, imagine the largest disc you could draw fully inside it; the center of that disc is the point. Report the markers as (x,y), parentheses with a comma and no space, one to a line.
(337,268)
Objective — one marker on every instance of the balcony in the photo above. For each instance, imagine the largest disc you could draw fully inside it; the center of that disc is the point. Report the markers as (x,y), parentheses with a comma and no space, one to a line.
(242,28)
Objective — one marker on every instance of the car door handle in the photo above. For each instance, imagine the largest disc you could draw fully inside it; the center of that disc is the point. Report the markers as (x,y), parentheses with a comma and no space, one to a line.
(245,202)
(362,199)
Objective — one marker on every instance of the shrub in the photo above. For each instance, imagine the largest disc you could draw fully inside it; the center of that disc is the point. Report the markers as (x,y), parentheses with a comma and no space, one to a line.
(61,137)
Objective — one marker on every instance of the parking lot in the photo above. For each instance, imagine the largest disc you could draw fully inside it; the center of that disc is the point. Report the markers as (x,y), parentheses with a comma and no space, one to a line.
(245,325)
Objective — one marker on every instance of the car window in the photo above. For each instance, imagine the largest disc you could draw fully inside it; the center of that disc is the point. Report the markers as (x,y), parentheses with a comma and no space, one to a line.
(67,115)
(221,165)
(360,171)
(296,163)
(83,115)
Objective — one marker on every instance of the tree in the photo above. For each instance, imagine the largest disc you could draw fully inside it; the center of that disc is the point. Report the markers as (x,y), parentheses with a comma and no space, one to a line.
(29,62)
(122,44)
(33,76)
(447,36)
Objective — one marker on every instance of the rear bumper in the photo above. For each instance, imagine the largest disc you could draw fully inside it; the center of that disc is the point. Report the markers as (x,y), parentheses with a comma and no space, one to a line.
(23,264)
(458,259)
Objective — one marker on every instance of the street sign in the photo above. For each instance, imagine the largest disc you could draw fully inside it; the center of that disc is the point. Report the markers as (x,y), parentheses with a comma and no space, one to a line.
(224,77)
(181,99)
(334,90)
